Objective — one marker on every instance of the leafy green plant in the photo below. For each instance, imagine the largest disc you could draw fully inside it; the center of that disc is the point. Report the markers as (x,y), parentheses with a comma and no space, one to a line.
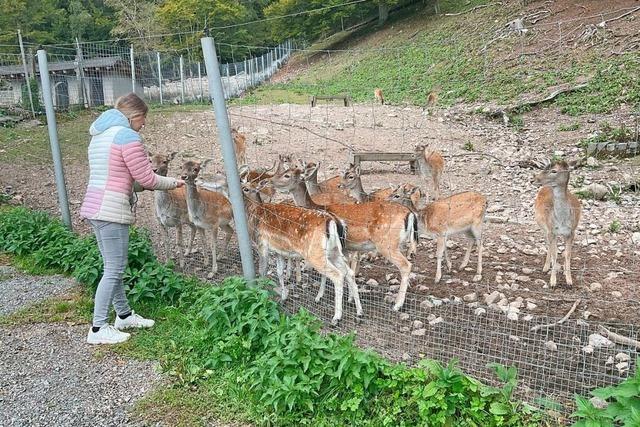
(615,226)
(569,127)
(468,146)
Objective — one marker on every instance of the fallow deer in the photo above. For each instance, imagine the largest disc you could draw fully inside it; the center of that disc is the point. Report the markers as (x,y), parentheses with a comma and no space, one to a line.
(557,212)
(171,208)
(430,164)
(293,232)
(239,146)
(460,213)
(378,94)
(208,210)
(310,171)
(373,226)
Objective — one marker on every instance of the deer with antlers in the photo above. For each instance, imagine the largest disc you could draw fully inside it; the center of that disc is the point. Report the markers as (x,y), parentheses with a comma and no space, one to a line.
(208,210)
(460,213)
(557,212)
(371,226)
(294,232)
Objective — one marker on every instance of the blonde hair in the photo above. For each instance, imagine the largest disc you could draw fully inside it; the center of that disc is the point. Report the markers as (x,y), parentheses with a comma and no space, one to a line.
(132,106)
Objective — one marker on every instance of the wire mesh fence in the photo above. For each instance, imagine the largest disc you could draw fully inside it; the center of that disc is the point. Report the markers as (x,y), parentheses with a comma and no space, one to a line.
(510,314)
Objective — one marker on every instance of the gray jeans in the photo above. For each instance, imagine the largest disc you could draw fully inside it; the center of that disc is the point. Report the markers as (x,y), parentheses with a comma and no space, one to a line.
(113,241)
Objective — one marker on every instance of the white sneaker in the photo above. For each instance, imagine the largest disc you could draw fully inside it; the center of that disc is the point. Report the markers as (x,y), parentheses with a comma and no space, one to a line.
(133,321)
(107,334)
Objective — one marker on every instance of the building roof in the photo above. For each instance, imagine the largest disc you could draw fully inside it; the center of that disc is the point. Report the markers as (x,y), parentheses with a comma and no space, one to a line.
(104,62)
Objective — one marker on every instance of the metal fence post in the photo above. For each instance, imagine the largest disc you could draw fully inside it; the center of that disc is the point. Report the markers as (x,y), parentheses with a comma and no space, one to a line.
(246,73)
(26,73)
(228,154)
(53,137)
(159,75)
(133,71)
(182,79)
(200,81)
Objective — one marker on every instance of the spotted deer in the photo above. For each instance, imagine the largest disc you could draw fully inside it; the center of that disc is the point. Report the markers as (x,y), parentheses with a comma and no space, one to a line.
(208,210)
(372,226)
(171,208)
(239,146)
(352,182)
(293,232)
(460,213)
(430,165)
(557,212)
(378,94)
(256,176)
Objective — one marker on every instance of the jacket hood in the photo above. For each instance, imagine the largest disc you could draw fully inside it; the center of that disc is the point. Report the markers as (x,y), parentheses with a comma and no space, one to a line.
(108,119)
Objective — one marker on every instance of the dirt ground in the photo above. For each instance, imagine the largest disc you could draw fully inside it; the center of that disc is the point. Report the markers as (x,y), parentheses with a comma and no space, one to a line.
(605,265)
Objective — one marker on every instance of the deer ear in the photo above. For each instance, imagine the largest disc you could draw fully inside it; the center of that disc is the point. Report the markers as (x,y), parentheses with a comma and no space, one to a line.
(357,171)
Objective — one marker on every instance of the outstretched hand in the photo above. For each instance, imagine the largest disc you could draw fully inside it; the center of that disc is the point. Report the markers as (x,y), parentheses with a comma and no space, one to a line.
(179,183)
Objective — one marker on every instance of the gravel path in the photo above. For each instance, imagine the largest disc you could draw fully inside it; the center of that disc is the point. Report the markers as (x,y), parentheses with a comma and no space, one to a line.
(18,291)
(49,376)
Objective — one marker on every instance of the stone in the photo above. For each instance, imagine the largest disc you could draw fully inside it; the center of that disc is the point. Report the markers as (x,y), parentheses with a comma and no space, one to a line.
(622,367)
(503,302)
(527,270)
(610,361)
(512,316)
(436,321)
(426,304)
(436,302)
(550,345)
(372,282)
(616,294)
(431,317)
(404,329)
(419,332)
(470,297)
(635,238)
(595,287)
(473,304)
(480,311)
(406,356)
(523,279)
(598,341)
(623,357)
(492,297)
(394,288)
(598,402)
(417,324)
(598,191)
(514,338)
(390,298)
(393,282)
(531,306)
(516,304)
(404,317)
(587,349)
(592,162)
(528,318)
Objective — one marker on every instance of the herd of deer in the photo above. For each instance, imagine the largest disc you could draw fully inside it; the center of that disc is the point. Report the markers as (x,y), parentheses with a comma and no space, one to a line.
(330,223)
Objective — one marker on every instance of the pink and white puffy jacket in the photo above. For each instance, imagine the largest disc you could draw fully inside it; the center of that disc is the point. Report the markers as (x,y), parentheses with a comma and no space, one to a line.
(117,158)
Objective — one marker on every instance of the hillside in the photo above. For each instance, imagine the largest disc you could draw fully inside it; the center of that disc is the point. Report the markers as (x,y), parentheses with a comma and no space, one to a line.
(473,53)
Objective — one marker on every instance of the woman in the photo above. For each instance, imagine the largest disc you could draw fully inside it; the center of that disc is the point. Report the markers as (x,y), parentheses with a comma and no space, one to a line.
(116,159)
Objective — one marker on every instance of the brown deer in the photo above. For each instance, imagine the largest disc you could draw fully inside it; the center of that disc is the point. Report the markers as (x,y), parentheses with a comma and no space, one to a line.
(432,99)
(293,232)
(378,94)
(239,146)
(460,213)
(430,165)
(208,210)
(171,208)
(310,171)
(256,176)
(372,226)
(557,212)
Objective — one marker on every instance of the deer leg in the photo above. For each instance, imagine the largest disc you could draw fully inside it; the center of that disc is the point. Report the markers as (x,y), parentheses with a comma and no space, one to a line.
(547,260)
(167,242)
(436,186)
(447,258)
(478,237)
(284,291)
(337,277)
(440,247)
(323,284)
(263,260)
(567,259)
(228,233)
(214,259)
(553,249)
(340,262)
(203,233)
(192,237)
(395,256)
(298,272)
(287,271)
(180,245)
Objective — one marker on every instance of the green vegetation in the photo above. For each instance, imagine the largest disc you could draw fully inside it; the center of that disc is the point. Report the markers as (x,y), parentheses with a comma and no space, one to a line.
(615,226)
(569,128)
(233,353)
(73,308)
(608,133)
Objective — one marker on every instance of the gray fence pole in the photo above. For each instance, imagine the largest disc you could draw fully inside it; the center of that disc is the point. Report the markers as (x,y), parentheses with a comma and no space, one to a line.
(26,73)
(83,96)
(200,81)
(229,156)
(133,70)
(159,75)
(53,137)
(182,79)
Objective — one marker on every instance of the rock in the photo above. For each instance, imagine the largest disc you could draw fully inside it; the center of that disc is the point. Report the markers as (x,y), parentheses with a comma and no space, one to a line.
(523,279)
(595,287)
(394,282)
(610,361)
(623,357)
(598,402)
(587,349)
(473,304)
(598,341)
(436,302)
(550,345)
(516,304)
(635,238)
(390,298)
(514,338)
(480,311)
(592,162)
(372,282)
(388,276)
(404,317)
(417,324)
(531,306)
(436,321)
(394,288)
(512,316)
(470,297)
(622,367)
(406,356)
(426,304)
(586,314)
(558,153)
(527,270)
(419,332)
(431,317)
(457,300)
(598,191)
(404,329)
(528,318)
(616,294)
(503,302)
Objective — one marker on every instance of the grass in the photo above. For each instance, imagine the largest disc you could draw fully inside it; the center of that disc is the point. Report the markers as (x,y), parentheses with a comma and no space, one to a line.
(74,308)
